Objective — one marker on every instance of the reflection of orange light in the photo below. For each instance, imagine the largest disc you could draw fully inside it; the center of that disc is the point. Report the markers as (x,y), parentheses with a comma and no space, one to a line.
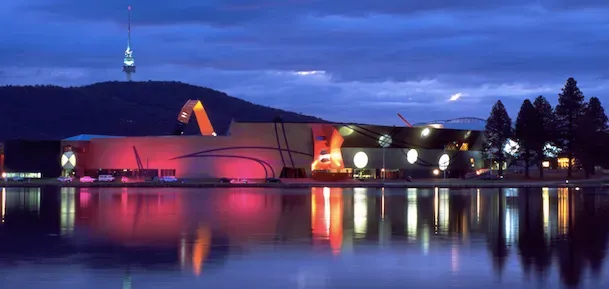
(336,219)
(201,248)
(563,210)
(327,216)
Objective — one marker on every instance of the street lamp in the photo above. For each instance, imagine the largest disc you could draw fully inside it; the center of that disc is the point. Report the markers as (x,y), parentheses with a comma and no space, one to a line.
(384,142)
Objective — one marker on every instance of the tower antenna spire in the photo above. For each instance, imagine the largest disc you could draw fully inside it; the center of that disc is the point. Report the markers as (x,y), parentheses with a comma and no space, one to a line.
(129,26)
(129,61)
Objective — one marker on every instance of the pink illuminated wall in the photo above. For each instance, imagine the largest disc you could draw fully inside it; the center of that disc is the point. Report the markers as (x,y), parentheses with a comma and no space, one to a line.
(245,153)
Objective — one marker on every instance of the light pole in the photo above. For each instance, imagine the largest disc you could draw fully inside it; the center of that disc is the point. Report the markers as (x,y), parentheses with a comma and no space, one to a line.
(384,142)
(444,170)
(383,170)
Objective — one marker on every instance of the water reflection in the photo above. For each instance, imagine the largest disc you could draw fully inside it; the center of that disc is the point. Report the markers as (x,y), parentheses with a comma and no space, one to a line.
(548,235)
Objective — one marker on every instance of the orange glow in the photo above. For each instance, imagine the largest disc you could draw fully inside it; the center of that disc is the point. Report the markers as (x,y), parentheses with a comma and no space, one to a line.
(336,219)
(563,163)
(201,248)
(196,107)
(327,143)
(563,210)
(327,216)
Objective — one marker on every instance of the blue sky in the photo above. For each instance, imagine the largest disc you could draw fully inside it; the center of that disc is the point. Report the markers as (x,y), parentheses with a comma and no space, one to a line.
(361,61)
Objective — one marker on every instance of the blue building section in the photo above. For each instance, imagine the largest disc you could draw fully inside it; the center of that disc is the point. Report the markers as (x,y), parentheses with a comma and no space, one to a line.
(88,137)
(462,123)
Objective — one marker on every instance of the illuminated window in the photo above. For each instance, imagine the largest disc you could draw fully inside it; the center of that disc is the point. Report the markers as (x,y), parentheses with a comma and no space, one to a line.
(546,164)
(24,175)
(563,163)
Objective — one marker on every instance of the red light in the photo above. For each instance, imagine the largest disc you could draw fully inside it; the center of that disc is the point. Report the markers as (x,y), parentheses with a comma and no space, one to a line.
(129,7)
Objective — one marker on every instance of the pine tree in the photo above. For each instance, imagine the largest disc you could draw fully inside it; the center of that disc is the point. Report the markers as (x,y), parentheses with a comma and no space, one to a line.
(546,132)
(596,113)
(497,131)
(525,133)
(568,112)
(592,125)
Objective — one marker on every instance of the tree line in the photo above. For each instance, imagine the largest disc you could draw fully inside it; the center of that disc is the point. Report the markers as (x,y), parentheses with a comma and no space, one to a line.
(575,127)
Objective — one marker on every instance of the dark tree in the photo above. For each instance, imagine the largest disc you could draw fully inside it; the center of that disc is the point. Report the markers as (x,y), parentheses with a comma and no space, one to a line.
(591,135)
(546,129)
(526,128)
(497,131)
(569,110)
(596,114)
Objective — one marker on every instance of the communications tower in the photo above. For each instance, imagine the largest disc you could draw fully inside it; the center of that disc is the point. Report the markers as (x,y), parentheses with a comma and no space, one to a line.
(129,61)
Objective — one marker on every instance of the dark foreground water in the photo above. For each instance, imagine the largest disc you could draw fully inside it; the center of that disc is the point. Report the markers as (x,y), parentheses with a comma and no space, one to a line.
(314,238)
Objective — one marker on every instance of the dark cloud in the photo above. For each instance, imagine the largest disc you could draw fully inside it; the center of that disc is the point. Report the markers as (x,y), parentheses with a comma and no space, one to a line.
(381,55)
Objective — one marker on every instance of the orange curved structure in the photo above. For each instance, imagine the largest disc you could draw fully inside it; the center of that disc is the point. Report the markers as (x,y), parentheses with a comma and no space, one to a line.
(196,107)
(327,142)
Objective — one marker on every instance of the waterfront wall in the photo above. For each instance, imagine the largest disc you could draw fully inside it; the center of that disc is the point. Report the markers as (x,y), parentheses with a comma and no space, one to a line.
(251,150)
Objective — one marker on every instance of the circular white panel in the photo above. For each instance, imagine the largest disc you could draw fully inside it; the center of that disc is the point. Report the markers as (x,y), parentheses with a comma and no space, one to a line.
(345,131)
(360,160)
(412,156)
(426,131)
(443,162)
(68,160)
(385,141)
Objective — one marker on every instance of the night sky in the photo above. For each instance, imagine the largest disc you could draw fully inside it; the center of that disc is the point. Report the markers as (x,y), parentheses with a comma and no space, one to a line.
(342,60)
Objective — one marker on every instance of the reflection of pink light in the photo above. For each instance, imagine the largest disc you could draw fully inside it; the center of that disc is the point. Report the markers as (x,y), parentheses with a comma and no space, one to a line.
(245,202)
(245,215)
(85,198)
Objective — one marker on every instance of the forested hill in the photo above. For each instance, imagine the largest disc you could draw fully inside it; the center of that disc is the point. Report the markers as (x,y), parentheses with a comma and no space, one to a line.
(120,108)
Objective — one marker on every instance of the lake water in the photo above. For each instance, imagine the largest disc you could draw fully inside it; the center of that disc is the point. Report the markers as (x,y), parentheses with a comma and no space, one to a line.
(303,238)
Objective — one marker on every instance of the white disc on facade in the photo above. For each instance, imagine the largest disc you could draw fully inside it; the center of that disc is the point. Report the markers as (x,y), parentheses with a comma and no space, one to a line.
(385,141)
(68,160)
(360,160)
(412,156)
(443,162)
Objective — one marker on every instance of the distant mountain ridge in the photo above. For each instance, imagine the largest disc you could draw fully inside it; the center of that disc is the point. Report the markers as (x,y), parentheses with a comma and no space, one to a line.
(120,108)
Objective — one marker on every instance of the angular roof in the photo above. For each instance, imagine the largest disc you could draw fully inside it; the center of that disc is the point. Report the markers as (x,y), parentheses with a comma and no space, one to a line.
(462,123)
(88,137)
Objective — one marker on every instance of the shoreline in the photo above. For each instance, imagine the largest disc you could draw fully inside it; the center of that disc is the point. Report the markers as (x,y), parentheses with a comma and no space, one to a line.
(292,184)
